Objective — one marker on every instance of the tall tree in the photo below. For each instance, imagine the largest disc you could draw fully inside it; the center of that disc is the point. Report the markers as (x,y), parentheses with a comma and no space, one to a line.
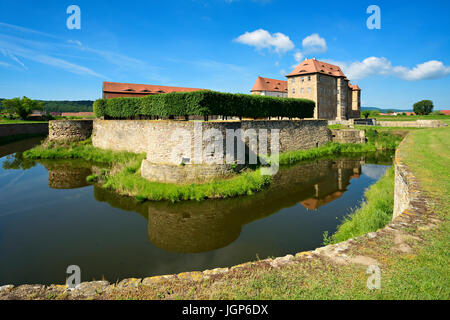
(423,107)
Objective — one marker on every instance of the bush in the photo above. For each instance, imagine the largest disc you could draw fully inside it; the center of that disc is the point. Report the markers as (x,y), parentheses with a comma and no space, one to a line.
(204,103)
(100,108)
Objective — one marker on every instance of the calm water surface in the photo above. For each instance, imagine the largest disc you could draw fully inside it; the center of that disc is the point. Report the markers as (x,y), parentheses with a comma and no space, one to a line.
(51,218)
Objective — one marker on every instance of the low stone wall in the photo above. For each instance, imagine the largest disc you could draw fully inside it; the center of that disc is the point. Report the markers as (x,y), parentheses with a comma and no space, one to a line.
(185,173)
(342,122)
(69,130)
(367,122)
(406,192)
(151,136)
(14,129)
(413,124)
(349,136)
(184,151)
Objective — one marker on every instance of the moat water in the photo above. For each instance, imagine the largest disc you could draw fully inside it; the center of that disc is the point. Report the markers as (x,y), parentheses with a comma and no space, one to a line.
(50,218)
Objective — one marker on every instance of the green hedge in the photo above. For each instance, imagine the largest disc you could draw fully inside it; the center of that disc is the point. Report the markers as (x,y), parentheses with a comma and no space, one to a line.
(204,103)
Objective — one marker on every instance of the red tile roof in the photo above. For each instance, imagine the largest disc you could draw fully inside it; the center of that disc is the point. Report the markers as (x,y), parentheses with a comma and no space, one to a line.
(354,87)
(114,89)
(315,66)
(267,84)
(446,112)
(77,114)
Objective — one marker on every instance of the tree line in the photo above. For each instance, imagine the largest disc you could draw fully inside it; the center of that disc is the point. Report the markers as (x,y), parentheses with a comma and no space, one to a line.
(61,106)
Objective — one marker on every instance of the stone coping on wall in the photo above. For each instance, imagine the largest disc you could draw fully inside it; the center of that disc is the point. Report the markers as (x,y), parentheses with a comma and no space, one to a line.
(414,214)
(413,124)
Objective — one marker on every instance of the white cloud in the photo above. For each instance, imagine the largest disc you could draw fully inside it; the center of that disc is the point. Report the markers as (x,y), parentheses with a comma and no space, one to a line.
(283,72)
(310,44)
(77,42)
(261,38)
(428,70)
(8,54)
(14,51)
(298,56)
(314,43)
(19,42)
(381,66)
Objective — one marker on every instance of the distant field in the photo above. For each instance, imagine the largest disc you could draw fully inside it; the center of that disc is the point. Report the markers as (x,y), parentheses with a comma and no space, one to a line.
(413,118)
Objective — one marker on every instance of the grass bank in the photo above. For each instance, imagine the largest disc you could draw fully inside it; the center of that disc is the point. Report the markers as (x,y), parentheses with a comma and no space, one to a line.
(124,174)
(374,213)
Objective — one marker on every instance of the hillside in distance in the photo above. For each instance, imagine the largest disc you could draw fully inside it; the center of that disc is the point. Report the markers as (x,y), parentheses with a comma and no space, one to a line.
(66,106)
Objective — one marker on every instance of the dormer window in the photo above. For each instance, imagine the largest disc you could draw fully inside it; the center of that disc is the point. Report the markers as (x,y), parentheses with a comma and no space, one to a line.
(129,89)
(145,90)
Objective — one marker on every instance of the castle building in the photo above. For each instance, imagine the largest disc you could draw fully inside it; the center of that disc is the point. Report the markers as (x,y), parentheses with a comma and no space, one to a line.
(270,87)
(325,84)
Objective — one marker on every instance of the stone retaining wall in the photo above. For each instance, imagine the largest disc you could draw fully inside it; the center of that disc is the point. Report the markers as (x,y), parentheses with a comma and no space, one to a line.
(69,130)
(349,136)
(152,136)
(406,193)
(13,129)
(185,173)
(413,124)
(183,151)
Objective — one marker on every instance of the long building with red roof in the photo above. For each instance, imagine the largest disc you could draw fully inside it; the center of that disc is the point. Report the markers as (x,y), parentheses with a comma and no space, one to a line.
(117,89)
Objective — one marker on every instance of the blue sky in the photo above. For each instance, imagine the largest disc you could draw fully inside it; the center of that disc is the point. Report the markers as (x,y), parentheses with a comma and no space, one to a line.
(223,45)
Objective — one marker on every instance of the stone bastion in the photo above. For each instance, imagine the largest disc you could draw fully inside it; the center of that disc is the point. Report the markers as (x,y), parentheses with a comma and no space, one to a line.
(197,151)
(69,130)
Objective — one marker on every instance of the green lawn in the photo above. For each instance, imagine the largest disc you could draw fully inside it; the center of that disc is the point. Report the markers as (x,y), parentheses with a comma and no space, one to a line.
(7,121)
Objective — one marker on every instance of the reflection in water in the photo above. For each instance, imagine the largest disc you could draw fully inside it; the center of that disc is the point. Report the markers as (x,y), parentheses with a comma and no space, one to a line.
(14,154)
(193,227)
(67,174)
